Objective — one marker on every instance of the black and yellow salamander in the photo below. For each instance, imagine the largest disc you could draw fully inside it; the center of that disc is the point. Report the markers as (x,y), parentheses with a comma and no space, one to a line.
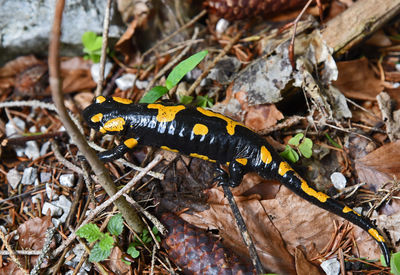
(207,135)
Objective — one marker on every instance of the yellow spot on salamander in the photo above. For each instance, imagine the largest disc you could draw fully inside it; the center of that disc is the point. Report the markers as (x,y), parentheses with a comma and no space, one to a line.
(201,157)
(347,209)
(242,161)
(100,99)
(200,129)
(169,149)
(166,113)
(375,234)
(114,125)
(131,142)
(284,167)
(313,193)
(230,124)
(265,155)
(102,130)
(122,100)
(97,117)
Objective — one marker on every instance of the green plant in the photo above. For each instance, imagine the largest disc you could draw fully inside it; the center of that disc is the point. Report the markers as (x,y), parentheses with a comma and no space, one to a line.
(394,263)
(302,144)
(331,141)
(106,241)
(174,77)
(92,46)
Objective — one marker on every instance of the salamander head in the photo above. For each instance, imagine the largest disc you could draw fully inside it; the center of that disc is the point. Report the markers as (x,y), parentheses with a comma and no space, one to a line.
(104,114)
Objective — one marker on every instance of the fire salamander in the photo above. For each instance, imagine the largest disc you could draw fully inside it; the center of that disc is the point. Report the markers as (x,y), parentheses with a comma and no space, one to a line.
(207,135)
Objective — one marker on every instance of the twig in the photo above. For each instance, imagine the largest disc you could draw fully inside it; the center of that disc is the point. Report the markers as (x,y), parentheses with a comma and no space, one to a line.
(21,252)
(173,62)
(102,174)
(12,253)
(243,229)
(226,49)
(161,228)
(188,24)
(46,247)
(101,207)
(106,25)
(64,161)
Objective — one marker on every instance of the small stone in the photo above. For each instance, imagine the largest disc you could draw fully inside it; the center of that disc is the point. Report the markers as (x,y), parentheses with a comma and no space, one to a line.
(331,266)
(51,191)
(14,178)
(45,177)
(338,180)
(10,127)
(221,26)
(36,198)
(65,205)
(45,147)
(54,210)
(142,84)
(29,177)
(32,150)
(125,82)
(67,180)
(95,70)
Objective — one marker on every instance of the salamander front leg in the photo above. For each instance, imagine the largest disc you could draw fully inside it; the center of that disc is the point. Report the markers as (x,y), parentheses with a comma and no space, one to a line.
(235,176)
(118,151)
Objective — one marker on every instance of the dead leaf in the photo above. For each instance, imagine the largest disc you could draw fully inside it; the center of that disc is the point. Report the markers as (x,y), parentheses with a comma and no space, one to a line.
(115,263)
(380,166)
(262,117)
(32,233)
(124,44)
(303,266)
(18,65)
(357,80)
(76,75)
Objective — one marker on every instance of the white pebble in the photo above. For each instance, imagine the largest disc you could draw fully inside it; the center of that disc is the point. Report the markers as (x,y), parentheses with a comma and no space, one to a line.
(51,191)
(45,147)
(32,150)
(95,71)
(338,180)
(67,180)
(10,127)
(331,266)
(45,177)
(29,177)
(221,26)
(54,210)
(13,178)
(125,82)
(65,205)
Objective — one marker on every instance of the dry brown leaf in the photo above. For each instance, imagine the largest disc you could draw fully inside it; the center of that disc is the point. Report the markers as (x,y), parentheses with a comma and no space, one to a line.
(278,226)
(303,266)
(379,166)
(32,233)
(262,117)
(124,44)
(357,80)
(76,75)
(11,268)
(18,65)
(115,263)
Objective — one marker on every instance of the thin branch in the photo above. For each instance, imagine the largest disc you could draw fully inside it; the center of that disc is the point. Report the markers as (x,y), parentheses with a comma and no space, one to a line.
(106,25)
(12,253)
(102,174)
(46,247)
(104,205)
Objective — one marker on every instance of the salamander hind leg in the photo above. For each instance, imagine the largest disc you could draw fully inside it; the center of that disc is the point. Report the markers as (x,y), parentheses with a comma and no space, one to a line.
(235,176)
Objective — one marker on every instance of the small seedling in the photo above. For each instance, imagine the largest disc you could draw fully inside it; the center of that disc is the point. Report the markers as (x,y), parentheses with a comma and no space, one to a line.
(331,141)
(92,46)
(394,263)
(174,77)
(106,241)
(302,144)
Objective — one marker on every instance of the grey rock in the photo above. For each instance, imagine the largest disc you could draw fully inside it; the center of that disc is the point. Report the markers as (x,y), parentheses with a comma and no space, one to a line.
(51,191)
(25,25)
(45,177)
(11,130)
(54,210)
(14,178)
(65,205)
(30,176)
(67,180)
(32,150)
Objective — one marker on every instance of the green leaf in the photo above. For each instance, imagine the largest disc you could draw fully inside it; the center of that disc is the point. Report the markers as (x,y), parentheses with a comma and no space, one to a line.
(186,99)
(295,141)
(116,225)
(90,232)
(89,40)
(97,254)
(395,263)
(154,229)
(332,141)
(132,251)
(183,68)
(204,101)
(154,94)
(305,147)
(106,242)
(290,154)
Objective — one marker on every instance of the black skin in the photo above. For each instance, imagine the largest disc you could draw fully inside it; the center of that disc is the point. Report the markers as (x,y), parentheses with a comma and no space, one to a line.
(220,144)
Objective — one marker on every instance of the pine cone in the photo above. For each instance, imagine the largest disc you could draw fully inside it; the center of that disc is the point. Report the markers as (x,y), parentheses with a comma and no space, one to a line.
(197,252)
(242,9)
